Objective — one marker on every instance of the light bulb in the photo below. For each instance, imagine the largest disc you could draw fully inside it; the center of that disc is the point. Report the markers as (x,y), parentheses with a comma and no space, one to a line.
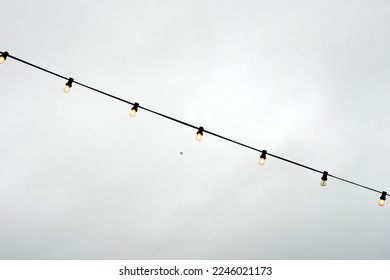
(132,113)
(3,57)
(199,134)
(324,178)
(134,110)
(261,161)
(382,199)
(66,88)
(263,156)
(68,85)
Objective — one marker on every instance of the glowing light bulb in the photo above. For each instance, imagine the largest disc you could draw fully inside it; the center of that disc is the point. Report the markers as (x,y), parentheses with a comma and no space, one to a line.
(68,85)
(324,178)
(263,156)
(382,199)
(66,88)
(261,161)
(199,134)
(134,110)
(3,57)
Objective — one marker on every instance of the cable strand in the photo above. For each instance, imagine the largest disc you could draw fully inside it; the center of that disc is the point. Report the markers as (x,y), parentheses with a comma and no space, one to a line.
(190,125)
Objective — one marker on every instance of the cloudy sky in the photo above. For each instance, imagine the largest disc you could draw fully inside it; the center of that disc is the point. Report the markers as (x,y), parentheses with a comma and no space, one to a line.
(307,80)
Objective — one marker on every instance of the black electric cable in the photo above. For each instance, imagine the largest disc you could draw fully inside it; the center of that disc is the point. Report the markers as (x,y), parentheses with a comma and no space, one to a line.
(190,125)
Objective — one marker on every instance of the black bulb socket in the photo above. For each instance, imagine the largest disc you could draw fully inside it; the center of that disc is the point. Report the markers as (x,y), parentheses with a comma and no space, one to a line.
(135,107)
(5,55)
(69,82)
(324,176)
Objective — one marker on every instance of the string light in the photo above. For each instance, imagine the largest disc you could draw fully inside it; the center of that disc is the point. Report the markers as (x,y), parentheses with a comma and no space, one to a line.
(382,199)
(68,85)
(3,57)
(199,134)
(324,178)
(134,110)
(262,158)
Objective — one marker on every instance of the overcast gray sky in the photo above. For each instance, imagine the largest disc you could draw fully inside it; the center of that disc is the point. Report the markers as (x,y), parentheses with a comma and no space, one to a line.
(307,80)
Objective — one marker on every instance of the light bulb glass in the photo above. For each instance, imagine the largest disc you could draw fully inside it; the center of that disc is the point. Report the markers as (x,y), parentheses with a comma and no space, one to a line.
(199,136)
(132,113)
(2,59)
(323,183)
(66,88)
(262,161)
(381,202)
